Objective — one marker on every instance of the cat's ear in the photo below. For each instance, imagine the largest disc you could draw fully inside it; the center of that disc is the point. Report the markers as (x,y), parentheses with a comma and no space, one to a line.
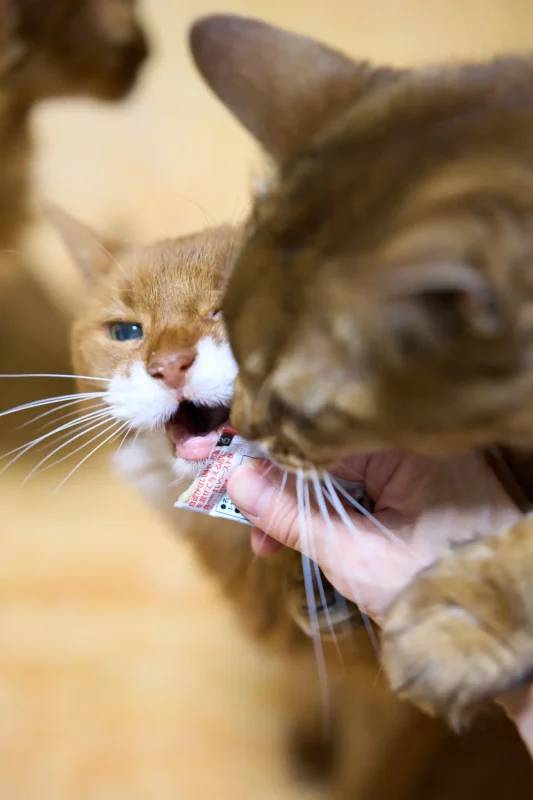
(280,85)
(92,253)
(443,301)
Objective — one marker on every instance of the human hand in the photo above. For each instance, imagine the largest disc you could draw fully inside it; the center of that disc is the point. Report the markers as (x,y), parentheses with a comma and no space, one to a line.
(422,506)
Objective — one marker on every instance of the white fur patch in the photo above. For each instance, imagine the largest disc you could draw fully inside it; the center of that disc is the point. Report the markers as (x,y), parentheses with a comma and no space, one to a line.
(140,400)
(212,375)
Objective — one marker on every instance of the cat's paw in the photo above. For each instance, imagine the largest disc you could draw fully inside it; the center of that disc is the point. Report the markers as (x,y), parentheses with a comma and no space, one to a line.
(318,609)
(459,635)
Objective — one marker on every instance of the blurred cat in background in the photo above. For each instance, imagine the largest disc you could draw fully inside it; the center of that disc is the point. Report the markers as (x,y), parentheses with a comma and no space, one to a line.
(48,49)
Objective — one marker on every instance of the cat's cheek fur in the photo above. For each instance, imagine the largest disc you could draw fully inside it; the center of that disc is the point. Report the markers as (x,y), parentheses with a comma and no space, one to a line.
(213,374)
(139,399)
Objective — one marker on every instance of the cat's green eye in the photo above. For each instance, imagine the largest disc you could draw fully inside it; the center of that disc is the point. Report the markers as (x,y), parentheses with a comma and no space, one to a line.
(125,331)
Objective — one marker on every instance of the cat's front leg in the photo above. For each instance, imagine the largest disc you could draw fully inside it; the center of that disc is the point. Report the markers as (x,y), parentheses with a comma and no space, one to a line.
(461,633)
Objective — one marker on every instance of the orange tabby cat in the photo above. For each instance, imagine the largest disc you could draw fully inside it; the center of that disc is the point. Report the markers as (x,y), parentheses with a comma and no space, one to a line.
(150,328)
(383,297)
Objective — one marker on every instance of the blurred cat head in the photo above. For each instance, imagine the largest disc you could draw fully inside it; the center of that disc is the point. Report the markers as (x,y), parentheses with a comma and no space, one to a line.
(149,331)
(54,48)
(383,292)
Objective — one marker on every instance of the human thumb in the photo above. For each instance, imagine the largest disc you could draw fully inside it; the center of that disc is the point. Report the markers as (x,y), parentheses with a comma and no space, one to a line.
(258,497)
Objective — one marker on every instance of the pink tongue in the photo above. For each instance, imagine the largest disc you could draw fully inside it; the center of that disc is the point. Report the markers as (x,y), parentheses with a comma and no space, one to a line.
(195,448)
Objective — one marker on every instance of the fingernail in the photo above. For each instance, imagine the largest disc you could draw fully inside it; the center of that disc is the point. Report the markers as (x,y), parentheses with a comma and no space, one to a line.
(251,492)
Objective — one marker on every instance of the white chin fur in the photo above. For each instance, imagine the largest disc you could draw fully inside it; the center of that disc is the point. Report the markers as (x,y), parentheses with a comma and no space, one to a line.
(186,470)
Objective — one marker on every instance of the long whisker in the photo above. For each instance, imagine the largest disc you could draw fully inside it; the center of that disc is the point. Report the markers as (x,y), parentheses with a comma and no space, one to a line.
(84,423)
(81,447)
(267,470)
(319,494)
(311,605)
(43,437)
(318,577)
(383,528)
(54,411)
(93,451)
(53,375)
(51,401)
(62,446)
(283,483)
(128,431)
(85,420)
(24,448)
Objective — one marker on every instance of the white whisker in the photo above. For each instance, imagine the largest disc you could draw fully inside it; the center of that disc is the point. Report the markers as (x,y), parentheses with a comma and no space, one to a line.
(267,470)
(53,375)
(312,553)
(54,411)
(283,483)
(20,451)
(93,451)
(76,413)
(383,528)
(85,421)
(50,401)
(319,494)
(62,446)
(128,431)
(311,605)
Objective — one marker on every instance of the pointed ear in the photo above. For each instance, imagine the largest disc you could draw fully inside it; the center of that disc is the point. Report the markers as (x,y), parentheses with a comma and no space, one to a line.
(92,253)
(281,86)
(442,301)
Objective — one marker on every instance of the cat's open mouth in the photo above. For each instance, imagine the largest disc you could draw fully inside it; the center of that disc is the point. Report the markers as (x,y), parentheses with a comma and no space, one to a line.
(194,430)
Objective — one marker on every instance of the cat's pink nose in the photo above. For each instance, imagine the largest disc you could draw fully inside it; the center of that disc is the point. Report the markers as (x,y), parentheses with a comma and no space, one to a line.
(172,368)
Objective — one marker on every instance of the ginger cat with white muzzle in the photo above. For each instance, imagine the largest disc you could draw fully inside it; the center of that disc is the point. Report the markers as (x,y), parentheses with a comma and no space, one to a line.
(150,339)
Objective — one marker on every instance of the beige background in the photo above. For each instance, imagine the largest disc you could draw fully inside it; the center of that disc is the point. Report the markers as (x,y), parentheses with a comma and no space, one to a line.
(121,673)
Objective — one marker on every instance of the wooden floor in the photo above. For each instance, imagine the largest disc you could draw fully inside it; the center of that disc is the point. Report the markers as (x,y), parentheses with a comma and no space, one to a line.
(122,676)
